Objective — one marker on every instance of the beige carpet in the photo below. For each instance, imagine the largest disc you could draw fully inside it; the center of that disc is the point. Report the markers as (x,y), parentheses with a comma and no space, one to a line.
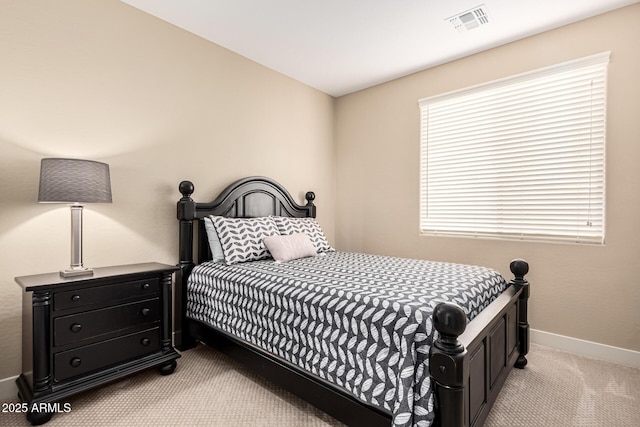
(208,389)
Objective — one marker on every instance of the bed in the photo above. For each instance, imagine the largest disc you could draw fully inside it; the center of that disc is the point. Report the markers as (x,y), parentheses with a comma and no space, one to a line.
(437,369)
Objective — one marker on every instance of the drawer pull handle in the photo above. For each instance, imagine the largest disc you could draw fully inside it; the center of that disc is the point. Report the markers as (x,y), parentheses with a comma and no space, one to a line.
(75,298)
(76,327)
(75,362)
(146,286)
(145,311)
(145,341)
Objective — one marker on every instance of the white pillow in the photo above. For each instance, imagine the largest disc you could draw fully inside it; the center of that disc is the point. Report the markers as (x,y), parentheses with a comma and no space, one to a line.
(308,226)
(241,238)
(287,248)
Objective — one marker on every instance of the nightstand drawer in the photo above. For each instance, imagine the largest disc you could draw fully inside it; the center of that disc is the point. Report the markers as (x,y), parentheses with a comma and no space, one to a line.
(81,326)
(105,294)
(83,360)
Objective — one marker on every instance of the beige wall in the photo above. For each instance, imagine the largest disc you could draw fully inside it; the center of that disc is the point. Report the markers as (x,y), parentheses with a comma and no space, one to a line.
(104,81)
(587,292)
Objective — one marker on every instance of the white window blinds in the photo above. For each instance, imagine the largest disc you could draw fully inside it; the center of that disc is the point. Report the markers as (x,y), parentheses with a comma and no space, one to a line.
(519,158)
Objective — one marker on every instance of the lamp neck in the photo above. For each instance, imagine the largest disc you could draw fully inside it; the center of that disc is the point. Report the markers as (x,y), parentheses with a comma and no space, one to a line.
(76,268)
(76,236)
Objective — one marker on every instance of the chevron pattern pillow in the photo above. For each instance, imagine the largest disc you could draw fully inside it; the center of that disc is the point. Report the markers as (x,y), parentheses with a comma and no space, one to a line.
(242,238)
(308,226)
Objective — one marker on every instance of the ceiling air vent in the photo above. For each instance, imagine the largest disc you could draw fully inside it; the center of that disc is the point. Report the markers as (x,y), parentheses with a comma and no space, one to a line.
(470,19)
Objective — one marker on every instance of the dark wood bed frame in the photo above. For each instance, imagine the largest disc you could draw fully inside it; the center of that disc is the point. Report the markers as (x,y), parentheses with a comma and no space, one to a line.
(468,363)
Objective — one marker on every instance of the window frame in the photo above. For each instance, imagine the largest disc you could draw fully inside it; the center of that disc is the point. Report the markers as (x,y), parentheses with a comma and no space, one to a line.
(437,217)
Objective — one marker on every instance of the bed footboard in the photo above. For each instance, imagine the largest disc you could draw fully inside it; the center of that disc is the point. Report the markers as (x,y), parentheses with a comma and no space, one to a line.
(469,366)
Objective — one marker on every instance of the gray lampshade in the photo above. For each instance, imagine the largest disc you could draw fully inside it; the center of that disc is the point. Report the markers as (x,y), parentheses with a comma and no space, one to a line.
(74,181)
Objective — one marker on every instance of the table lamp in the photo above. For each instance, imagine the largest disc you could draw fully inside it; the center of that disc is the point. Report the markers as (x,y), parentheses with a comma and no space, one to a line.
(75,182)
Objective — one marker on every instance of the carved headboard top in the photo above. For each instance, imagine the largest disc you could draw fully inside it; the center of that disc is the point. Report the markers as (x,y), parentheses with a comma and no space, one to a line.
(248,197)
(251,197)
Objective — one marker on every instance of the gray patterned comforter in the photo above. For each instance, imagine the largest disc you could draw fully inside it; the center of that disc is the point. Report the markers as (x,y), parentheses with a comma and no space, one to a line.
(362,322)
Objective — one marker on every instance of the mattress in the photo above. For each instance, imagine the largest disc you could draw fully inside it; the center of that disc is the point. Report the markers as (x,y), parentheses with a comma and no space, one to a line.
(359,321)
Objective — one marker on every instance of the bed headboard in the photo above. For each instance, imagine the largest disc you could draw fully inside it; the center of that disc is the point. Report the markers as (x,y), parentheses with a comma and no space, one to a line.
(248,197)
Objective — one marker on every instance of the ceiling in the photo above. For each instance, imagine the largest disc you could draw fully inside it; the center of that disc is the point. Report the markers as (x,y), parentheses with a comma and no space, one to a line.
(341,46)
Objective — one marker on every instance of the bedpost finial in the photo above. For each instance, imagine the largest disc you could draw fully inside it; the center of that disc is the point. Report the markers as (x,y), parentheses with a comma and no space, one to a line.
(450,321)
(311,208)
(186,189)
(310,197)
(519,268)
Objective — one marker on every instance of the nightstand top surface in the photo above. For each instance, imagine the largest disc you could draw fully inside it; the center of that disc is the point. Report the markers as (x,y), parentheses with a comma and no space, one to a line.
(29,283)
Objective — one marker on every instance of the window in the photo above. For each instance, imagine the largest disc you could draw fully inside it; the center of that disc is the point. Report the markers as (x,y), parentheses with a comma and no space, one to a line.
(519,158)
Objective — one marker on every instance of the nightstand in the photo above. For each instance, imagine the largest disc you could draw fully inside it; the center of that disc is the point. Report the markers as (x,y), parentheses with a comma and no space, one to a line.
(82,332)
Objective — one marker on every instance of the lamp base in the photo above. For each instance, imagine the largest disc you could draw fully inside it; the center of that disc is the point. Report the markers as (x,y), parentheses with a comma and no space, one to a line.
(78,272)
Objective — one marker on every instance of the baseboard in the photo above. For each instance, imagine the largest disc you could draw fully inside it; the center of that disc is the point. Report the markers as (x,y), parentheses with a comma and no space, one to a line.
(8,389)
(620,356)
